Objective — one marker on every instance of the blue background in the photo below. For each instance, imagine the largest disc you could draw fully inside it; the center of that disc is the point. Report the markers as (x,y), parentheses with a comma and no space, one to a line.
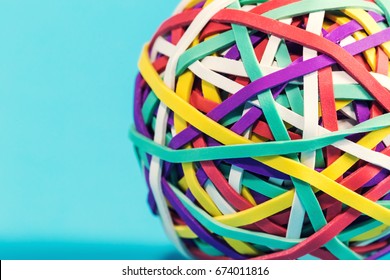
(70,187)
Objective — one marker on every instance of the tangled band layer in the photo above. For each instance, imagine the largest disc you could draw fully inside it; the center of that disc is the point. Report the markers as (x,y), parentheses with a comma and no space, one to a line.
(262,128)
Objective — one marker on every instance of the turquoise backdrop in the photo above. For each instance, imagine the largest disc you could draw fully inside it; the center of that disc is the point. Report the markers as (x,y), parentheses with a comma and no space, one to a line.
(70,187)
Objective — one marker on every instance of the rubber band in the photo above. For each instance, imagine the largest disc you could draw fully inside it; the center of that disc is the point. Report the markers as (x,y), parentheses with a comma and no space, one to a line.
(250,115)
(279,132)
(315,42)
(310,112)
(184,88)
(186,112)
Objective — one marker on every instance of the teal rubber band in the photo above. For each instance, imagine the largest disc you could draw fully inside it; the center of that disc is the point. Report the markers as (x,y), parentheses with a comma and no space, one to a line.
(309,258)
(205,48)
(252,68)
(266,100)
(268,107)
(144,159)
(250,2)
(310,6)
(342,92)
(227,38)
(385,6)
(208,249)
(320,159)
(291,98)
(149,106)
(261,239)
(318,221)
(235,233)
(256,184)
(255,149)
(232,117)
(358,230)
(351,92)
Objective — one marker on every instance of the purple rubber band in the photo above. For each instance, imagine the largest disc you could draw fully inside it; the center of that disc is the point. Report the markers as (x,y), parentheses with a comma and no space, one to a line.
(234,53)
(151,201)
(377,179)
(138,120)
(387,197)
(281,77)
(380,254)
(195,226)
(362,111)
(247,120)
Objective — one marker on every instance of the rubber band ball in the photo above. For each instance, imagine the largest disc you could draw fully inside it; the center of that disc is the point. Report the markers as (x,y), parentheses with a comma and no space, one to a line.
(262,128)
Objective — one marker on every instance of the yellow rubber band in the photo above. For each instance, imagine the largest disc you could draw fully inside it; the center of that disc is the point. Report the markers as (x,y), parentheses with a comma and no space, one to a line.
(370,54)
(368,23)
(371,234)
(184,87)
(285,165)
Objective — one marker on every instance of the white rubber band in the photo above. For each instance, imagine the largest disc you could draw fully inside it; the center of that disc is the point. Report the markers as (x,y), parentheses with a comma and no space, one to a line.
(219,201)
(247,8)
(237,173)
(349,112)
(162,117)
(310,98)
(272,47)
(201,20)
(209,69)
(345,145)
(340,77)
(387,141)
(214,78)
(236,68)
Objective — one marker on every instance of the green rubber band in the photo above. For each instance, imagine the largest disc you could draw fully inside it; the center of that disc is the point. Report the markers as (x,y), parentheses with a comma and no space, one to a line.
(342,92)
(231,232)
(266,100)
(250,2)
(351,92)
(295,99)
(256,184)
(291,100)
(149,106)
(144,159)
(255,149)
(318,221)
(251,65)
(227,39)
(232,117)
(207,249)
(205,48)
(320,159)
(293,93)
(310,6)
(385,6)
(283,100)
(256,238)
(358,230)
(308,258)
(283,144)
